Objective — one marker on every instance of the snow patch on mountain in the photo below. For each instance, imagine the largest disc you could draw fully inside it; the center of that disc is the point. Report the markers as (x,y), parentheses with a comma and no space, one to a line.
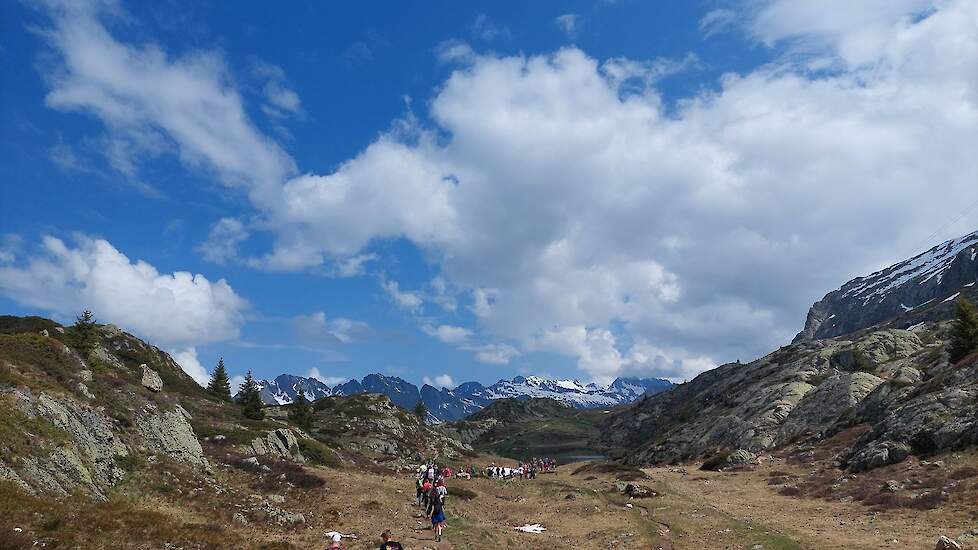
(444,405)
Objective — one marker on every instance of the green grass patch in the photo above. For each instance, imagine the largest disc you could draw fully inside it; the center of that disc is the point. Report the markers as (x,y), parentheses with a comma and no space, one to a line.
(21,435)
(45,355)
(756,533)
(318,453)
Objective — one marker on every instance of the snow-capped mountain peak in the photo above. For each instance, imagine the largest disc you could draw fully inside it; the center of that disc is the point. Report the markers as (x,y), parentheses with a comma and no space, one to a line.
(903,290)
(446,405)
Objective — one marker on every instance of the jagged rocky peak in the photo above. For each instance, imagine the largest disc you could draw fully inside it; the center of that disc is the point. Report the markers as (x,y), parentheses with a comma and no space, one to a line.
(285,389)
(908,292)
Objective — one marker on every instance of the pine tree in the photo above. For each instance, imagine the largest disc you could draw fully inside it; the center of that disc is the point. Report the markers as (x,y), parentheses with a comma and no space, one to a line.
(421,410)
(220,385)
(301,413)
(964,335)
(84,334)
(250,399)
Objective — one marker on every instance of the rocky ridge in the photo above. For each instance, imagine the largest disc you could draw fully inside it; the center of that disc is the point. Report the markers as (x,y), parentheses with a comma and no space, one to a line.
(919,289)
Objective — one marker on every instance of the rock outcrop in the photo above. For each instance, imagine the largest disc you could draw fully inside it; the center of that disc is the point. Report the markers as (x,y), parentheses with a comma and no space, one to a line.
(67,445)
(151,379)
(280,443)
(912,398)
(169,432)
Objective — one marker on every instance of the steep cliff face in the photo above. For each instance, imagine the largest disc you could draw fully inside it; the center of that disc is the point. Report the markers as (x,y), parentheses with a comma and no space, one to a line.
(921,288)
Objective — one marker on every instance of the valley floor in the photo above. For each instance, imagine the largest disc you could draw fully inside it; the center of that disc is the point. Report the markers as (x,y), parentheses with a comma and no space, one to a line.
(693,509)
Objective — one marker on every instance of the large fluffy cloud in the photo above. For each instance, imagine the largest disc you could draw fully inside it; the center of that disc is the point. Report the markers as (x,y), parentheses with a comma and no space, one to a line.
(581,213)
(152,103)
(177,310)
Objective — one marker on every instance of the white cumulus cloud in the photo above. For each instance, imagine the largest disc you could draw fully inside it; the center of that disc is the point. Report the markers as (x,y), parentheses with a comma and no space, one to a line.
(177,310)
(449,334)
(581,211)
(328,380)
(440,381)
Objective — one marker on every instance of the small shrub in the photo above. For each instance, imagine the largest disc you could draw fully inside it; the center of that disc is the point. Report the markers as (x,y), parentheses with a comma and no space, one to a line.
(717,461)
(128,463)
(964,473)
(790,491)
(462,493)
(318,453)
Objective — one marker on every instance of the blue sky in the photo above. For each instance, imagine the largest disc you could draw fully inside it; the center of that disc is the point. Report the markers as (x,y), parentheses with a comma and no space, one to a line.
(472,191)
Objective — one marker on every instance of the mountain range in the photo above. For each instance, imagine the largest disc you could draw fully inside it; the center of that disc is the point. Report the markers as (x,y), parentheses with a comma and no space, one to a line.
(448,405)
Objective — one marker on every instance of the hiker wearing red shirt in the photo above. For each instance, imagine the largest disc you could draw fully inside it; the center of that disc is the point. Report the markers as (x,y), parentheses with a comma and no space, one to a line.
(446,473)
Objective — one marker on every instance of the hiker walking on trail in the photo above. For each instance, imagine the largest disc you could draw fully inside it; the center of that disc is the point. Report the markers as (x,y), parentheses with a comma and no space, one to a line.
(437,506)
(425,498)
(387,543)
(419,490)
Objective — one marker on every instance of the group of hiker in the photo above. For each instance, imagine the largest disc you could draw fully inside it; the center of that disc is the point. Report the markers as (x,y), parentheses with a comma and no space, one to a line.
(430,494)
(523,470)
(431,491)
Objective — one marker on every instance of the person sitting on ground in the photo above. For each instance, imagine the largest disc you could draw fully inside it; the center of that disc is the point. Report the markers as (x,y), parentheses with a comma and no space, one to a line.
(387,543)
(337,543)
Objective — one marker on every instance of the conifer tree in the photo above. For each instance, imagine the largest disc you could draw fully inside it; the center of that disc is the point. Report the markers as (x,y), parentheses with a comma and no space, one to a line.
(85,334)
(964,334)
(301,413)
(220,385)
(251,404)
(421,410)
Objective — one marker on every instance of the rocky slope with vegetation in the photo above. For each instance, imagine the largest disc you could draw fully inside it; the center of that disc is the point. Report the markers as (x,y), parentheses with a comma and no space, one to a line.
(897,379)
(525,428)
(85,412)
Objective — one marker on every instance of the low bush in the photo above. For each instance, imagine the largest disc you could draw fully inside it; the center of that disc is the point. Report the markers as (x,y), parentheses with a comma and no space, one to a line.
(717,461)
(318,453)
(462,493)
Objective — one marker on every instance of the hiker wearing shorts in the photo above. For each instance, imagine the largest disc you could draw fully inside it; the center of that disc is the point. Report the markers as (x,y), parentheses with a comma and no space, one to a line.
(438,511)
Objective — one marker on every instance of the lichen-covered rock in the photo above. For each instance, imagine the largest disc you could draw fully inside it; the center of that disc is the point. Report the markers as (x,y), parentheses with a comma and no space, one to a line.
(914,402)
(740,457)
(878,454)
(151,379)
(170,433)
(821,407)
(8,474)
(281,443)
(84,454)
(888,345)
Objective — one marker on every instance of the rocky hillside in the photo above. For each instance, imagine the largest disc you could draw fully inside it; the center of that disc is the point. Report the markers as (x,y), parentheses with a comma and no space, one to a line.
(812,388)
(372,426)
(914,290)
(524,428)
(86,422)
(447,405)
